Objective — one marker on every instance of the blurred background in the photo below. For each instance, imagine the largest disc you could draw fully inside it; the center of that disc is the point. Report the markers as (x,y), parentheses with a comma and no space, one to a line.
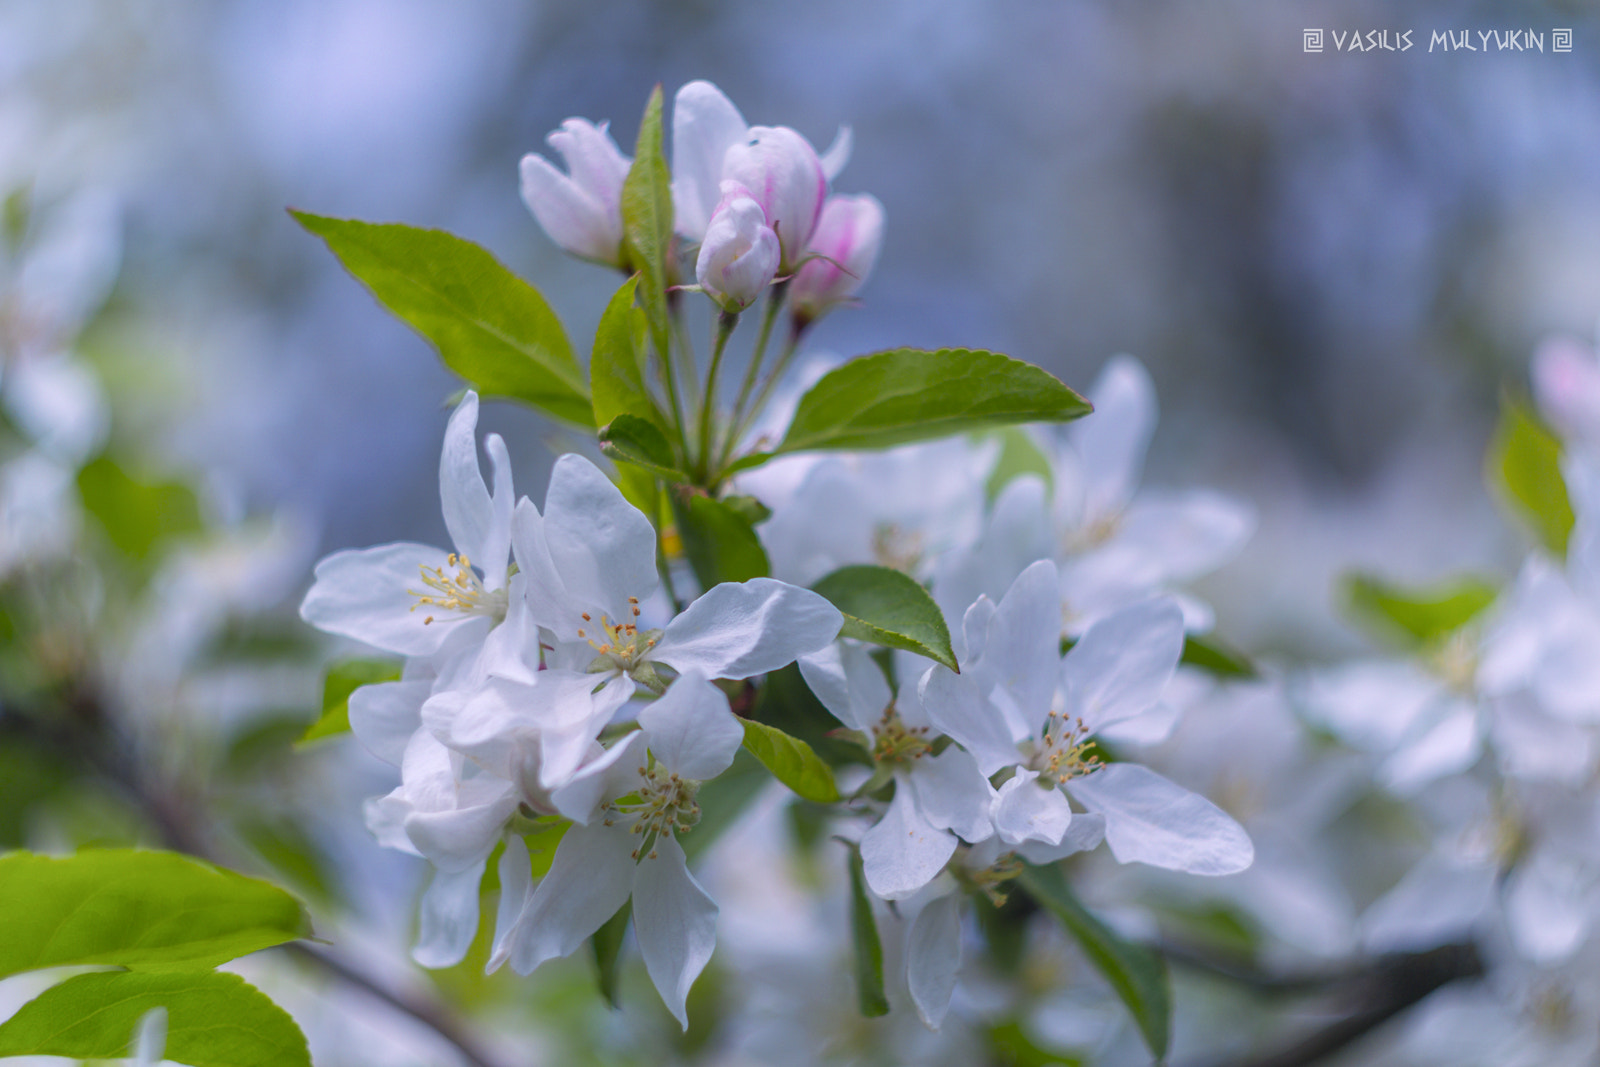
(1331,263)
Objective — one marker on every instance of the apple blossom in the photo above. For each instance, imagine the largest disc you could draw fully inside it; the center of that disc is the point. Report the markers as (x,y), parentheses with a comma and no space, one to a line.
(781,171)
(581,210)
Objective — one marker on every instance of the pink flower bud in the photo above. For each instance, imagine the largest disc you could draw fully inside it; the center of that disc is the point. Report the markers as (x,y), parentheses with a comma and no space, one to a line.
(582,210)
(783,174)
(740,252)
(849,234)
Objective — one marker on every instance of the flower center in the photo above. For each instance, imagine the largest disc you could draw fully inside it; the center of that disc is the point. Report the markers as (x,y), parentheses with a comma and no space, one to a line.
(896,548)
(1067,751)
(462,592)
(1092,534)
(663,805)
(994,880)
(1456,662)
(895,742)
(621,645)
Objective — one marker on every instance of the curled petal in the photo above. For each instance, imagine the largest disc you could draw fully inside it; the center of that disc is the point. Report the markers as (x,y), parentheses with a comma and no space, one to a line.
(705,124)
(740,629)
(449,917)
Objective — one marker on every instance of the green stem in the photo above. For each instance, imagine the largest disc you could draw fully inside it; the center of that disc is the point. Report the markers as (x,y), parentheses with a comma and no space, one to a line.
(664,350)
(790,347)
(726,321)
(775,298)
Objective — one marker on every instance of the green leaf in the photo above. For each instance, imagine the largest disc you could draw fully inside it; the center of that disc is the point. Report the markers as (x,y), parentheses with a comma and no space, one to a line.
(868,949)
(214,1019)
(720,542)
(342,679)
(606,944)
(138,516)
(631,439)
(1416,616)
(906,394)
(889,608)
(647,219)
(1019,455)
(1011,1046)
(753,510)
(1524,468)
(1136,974)
(490,326)
(1214,657)
(791,762)
(616,367)
(146,910)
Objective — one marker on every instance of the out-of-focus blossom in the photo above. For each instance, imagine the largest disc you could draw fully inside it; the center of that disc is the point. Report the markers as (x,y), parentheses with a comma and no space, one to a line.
(1115,544)
(582,209)
(1566,386)
(848,235)
(740,253)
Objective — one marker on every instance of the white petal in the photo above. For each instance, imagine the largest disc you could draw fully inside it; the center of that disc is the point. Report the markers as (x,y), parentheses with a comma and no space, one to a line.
(1110,443)
(1371,705)
(573,217)
(691,730)
(1438,900)
(849,683)
(953,794)
(1022,651)
(449,919)
(837,154)
(384,716)
(1147,728)
(516,889)
(975,627)
(933,957)
(1547,907)
(150,1038)
(600,778)
(676,923)
(1121,665)
(1151,820)
(590,877)
(956,705)
(457,838)
(739,629)
(603,548)
(1189,533)
(496,546)
(705,124)
(1533,745)
(1451,745)
(1086,831)
(904,851)
(1025,810)
(365,593)
(468,511)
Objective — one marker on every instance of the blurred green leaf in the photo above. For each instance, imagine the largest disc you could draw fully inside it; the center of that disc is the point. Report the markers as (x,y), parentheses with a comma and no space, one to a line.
(719,541)
(146,910)
(606,944)
(905,394)
(29,776)
(490,326)
(1135,973)
(791,762)
(214,1019)
(137,516)
(1416,616)
(868,949)
(647,220)
(1019,455)
(285,846)
(1011,1046)
(890,608)
(343,678)
(1210,654)
(1524,469)
(722,800)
